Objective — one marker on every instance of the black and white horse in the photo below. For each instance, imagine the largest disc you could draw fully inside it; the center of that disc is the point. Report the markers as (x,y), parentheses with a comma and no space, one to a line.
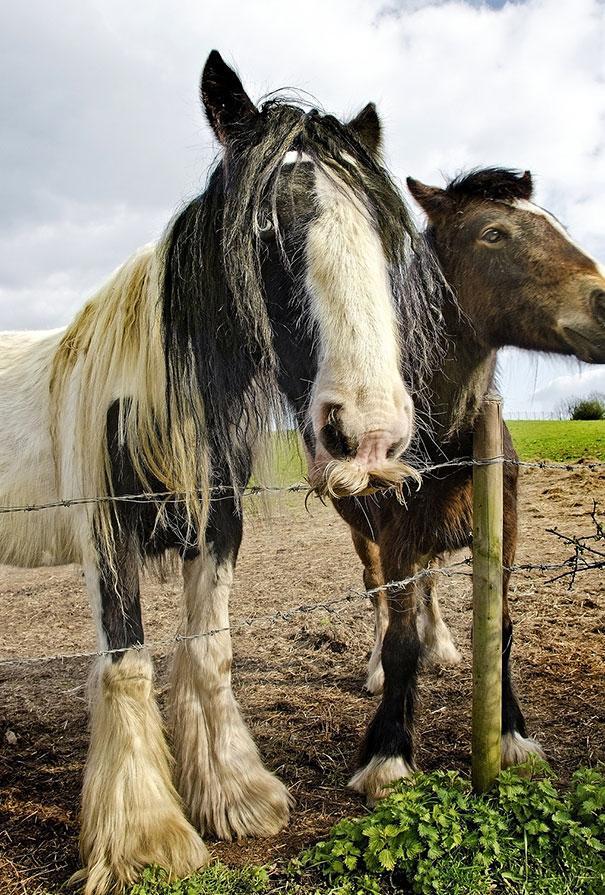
(295,278)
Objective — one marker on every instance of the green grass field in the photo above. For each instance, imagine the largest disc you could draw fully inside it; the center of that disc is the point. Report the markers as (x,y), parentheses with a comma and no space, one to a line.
(560,440)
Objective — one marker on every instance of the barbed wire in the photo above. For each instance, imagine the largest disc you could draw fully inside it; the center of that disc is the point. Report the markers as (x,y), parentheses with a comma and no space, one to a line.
(251,490)
(573,565)
(585,555)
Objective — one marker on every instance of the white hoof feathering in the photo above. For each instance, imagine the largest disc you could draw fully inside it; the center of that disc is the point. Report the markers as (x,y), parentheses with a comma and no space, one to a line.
(131,813)
(439,645)
(517,749)
(241,798)
(375,681)
(219,772)
(375,779)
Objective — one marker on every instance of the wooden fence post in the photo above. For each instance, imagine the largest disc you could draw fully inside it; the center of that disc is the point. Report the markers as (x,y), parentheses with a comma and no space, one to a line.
(487,595)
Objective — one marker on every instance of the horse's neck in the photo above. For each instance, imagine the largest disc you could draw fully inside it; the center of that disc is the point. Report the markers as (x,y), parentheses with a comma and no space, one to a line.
(459,387)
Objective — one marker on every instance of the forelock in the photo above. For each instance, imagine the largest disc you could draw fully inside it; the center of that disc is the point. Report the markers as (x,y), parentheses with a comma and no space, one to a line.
(493,184)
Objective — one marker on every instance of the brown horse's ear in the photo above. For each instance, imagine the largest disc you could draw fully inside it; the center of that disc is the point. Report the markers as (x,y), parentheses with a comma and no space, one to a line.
(367,129)
(432,200)
(229,109)
(526,186)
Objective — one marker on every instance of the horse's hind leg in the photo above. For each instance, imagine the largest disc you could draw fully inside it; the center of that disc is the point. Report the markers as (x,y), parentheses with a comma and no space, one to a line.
(219,772)
(435,635)
(516,745)
(131,813)
(369,553)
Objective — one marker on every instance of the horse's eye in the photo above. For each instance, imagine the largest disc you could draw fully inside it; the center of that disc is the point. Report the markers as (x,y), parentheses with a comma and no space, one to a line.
(492,235)
(264,225)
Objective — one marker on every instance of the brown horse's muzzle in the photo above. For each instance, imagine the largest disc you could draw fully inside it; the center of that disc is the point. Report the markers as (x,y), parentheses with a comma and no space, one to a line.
(585,334)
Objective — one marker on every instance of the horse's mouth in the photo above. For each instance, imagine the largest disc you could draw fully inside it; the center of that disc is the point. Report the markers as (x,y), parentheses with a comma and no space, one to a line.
(587,348)
(345,478)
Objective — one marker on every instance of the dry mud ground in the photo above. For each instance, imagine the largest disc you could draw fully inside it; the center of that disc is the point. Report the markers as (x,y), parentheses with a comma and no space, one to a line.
(299,680)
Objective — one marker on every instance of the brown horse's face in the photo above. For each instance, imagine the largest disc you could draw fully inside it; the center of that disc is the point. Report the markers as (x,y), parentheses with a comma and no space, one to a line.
(517,273)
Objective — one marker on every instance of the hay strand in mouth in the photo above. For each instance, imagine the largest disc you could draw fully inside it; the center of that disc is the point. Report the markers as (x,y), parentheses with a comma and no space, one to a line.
(346,478)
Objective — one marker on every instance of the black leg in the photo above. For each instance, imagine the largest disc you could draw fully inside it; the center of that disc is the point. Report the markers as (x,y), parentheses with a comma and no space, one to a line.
(121,620)
(387,752)
(516,745)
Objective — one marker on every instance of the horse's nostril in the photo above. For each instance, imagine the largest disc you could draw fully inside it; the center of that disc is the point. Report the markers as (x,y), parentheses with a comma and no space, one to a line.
(397,449)
(597,299)
(336,442)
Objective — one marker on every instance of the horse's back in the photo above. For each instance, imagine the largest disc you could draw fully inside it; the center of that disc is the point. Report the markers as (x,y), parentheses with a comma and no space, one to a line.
(27,468)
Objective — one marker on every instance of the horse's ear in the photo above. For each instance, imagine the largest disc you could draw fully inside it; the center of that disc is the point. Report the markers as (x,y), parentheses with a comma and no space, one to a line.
(526,185)
(367,129)
(229,109)
(432,200)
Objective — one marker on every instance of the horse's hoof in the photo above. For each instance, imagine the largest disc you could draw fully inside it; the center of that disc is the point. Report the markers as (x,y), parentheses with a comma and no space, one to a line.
(444,653)
(375,779)
(256,805)
(375,682)
(439,646)
(116,866)
(516,749)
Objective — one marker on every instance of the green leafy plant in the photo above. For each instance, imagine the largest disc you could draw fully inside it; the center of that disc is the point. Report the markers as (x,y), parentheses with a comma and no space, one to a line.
(433,836)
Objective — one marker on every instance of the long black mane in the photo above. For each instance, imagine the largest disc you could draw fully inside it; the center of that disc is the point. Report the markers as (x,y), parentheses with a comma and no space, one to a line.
(217,333)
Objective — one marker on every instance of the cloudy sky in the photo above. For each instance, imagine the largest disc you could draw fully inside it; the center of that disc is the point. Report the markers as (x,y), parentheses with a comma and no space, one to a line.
(103,137)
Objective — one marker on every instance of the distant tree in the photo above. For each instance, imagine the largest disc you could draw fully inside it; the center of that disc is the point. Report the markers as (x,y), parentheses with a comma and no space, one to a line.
(590,408)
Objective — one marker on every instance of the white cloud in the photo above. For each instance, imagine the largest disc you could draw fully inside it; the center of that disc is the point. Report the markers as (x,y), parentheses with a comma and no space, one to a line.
(103,135)
(580,384)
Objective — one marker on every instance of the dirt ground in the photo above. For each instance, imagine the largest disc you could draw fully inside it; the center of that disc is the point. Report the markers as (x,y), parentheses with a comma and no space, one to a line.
(299,680)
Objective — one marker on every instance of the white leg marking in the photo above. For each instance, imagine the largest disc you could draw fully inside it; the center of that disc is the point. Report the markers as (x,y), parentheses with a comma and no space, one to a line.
(517,749)
(131,813)
(432,630)
(219,772)
(375,680)
(374,780)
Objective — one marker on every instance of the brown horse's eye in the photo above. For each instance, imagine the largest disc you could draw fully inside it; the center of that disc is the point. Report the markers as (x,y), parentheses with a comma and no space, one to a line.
(492,235)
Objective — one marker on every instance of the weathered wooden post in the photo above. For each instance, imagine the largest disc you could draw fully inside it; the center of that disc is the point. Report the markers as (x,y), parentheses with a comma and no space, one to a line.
(487,594)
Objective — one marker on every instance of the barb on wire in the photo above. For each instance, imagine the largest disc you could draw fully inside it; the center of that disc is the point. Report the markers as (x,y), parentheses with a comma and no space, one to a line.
(585,556)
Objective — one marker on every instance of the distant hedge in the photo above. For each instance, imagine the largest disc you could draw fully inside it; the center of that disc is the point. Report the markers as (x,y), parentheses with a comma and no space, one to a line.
(590,408)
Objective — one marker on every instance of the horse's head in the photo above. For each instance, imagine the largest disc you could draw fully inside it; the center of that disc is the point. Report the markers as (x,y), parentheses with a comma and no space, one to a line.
(514,267)
(309,205)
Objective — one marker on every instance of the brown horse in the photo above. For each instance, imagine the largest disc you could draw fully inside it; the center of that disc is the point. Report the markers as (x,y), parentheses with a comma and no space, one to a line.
(519,280)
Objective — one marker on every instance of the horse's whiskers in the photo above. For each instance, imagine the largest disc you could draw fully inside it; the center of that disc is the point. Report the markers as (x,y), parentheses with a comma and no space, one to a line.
(346,478)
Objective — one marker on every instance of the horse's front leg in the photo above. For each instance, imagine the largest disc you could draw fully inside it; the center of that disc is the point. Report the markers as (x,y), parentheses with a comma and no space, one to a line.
(369,553)
(387,751)
(131,813)
(219,772)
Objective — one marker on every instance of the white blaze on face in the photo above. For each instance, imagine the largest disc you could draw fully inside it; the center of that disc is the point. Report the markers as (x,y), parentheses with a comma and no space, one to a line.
(532,208)
(352,305)
(571,317)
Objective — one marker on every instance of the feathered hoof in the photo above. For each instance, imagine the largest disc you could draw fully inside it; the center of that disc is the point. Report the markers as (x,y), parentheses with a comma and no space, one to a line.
(374,780)
(256,806)
(442,651)
(111,866)
(516,749)
(375,682)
